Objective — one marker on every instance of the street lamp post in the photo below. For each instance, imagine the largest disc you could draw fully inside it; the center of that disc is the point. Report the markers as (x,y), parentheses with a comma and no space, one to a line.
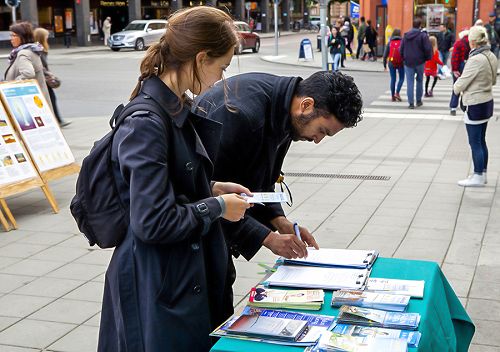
(323,33)
(276,2)
(13,4)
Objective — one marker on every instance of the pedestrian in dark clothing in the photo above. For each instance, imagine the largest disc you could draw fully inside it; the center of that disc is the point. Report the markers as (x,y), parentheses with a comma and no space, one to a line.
(269,113)
(163,284)
(415,50)
(361,36)
(335,42)
(392,59)
(41,36)
(459,56)
(445,39)
(371,40)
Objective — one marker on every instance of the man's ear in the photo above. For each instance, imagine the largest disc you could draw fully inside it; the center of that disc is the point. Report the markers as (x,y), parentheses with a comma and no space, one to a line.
(307,105)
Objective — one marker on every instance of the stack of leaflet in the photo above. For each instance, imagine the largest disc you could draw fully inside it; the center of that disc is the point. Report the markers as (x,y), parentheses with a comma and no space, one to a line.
(276,327)
(397,303)
(332,342)
(412,337)
(379,318)
(318,277)
(293,299)
(413,288)
(329,257)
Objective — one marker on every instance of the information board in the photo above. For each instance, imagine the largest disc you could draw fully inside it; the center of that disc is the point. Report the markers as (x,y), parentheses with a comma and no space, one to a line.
(15,165)
(37,124)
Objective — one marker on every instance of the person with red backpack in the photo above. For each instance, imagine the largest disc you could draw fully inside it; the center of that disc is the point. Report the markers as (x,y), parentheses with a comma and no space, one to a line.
(392,58)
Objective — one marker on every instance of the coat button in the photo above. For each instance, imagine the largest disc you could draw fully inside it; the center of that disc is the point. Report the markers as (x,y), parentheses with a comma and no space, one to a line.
(189,166)
(195,246)
(197,289)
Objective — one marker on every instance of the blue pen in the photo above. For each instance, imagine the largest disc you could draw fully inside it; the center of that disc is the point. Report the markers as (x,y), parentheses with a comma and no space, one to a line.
(297,230)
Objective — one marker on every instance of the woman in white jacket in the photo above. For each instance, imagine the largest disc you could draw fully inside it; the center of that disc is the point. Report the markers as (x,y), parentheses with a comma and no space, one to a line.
(475,84)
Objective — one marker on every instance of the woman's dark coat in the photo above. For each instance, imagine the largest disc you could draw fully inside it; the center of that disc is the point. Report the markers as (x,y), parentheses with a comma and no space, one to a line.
(163,284)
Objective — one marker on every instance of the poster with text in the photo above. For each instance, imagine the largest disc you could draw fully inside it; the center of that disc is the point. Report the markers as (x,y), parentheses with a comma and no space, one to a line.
(435,15)
(14,162)
(37,124)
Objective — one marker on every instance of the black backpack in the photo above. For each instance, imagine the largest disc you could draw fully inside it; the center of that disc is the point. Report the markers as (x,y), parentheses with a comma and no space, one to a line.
(97,207)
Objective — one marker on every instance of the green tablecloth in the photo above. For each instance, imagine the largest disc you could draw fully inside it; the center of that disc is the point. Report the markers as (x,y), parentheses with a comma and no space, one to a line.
(444,324)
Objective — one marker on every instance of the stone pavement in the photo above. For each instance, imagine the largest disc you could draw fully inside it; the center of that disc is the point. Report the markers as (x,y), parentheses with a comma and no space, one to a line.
(51,282)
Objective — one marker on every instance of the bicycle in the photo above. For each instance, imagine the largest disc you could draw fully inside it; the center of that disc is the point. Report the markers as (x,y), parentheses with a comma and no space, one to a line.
(311,27)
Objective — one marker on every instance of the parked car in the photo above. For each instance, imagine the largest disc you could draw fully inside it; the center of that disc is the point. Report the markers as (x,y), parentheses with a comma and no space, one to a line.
(138,35)
(248,39)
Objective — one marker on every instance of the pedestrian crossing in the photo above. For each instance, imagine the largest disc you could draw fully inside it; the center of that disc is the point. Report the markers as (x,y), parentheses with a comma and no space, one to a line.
(434,108)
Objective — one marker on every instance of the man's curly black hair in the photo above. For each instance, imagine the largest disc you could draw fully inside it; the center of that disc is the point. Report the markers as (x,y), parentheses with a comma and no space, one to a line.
(334,93)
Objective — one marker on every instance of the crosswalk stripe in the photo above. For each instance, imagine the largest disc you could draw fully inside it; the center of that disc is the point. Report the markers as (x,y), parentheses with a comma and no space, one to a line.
(434,108)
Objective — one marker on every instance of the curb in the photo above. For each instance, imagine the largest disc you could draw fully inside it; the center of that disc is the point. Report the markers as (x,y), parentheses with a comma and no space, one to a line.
(263,58)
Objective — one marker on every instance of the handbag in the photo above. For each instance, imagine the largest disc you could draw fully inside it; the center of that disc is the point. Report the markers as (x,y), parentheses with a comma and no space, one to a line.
(51,79)
(366,47)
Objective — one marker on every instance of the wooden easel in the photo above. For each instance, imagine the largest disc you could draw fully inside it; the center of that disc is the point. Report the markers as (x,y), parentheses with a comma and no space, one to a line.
(43,176)
(14,188)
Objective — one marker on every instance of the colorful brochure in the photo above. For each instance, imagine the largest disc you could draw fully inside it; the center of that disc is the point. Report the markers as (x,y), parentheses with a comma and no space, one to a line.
(397,303)
(332,342)
(316,325)
(379,318)
(412,337)
(293,299)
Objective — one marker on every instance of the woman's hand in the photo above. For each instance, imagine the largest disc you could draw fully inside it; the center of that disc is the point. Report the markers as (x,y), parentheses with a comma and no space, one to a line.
(236,206)
(221,188)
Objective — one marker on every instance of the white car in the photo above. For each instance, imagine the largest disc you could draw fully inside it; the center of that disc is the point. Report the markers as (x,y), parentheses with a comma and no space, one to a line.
(138,35)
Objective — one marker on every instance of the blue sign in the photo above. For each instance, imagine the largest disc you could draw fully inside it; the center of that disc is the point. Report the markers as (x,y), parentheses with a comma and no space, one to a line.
(305,51)
(354,10)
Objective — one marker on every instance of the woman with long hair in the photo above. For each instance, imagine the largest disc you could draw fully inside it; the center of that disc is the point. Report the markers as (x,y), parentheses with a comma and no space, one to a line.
(163,284)
(475,86)
(41,36)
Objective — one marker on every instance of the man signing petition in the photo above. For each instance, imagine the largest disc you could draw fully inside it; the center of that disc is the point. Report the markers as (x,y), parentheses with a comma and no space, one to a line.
(261,116)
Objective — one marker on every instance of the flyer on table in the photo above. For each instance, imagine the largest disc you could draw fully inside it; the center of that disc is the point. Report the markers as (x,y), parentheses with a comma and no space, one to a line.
(14,163)
(37,125)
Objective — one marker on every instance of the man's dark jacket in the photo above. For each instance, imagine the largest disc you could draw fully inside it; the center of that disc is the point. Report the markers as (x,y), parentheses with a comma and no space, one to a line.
(256,135)
(445,40)
(415,48)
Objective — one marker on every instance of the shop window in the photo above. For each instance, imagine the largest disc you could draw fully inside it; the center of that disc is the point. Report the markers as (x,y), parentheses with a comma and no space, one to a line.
(435,13)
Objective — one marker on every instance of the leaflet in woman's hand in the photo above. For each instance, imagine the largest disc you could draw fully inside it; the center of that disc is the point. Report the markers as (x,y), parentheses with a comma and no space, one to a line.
(267,197)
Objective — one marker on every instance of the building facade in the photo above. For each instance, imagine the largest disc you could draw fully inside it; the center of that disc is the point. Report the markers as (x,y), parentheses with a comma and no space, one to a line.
(83,18)
(400,14)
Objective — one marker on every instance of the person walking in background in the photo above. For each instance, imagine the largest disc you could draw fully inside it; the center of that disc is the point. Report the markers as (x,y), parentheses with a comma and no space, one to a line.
(492,34)
(475,84)
(163,283)
(415,50)
(106,29)
(24,59)
(431,68)
(361,36)
(41,35)
(335,45)
(392,59)
(371,40)
(445,40)
(459,56)
(350,35)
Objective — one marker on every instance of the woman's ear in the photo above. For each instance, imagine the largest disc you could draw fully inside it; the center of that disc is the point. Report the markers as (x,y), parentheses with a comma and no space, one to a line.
(201,58)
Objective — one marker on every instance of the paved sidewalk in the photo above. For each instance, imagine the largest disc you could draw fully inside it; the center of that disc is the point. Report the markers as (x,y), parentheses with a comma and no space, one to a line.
(51,282)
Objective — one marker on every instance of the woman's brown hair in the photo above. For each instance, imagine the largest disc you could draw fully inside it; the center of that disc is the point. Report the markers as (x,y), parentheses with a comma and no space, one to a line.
(41,36)
(189,31)
(24,31)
